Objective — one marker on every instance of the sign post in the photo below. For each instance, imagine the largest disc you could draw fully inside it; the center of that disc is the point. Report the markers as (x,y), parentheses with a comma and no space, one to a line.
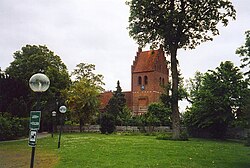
(35,117)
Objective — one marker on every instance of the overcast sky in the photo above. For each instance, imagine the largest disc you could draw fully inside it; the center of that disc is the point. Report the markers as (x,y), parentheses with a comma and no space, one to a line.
(94,31)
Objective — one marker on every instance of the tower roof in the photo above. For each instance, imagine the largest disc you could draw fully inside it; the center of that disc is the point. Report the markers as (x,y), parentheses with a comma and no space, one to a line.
(146,61)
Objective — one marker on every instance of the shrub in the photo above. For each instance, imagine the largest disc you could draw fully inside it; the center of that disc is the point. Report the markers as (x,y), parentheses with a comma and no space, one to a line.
(248,139)
(13,127)
(107,125)
(168,136)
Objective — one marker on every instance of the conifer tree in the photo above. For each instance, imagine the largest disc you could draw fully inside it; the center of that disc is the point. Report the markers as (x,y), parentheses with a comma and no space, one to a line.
(116,103)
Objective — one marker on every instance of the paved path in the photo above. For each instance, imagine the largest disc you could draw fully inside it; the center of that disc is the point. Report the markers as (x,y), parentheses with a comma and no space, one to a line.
(40,135)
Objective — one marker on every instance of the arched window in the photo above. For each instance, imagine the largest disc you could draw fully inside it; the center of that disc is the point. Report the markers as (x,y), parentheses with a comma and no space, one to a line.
(145,80)
(160,81)
(139,80)
(163,82)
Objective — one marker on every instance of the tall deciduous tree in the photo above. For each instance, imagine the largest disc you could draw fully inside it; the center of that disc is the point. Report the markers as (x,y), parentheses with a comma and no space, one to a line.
(177,24)
(218,101)
(82,96)
(32,59)
(244,52)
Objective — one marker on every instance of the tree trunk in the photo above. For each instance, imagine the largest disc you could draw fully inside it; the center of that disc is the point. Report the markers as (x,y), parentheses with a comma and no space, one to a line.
(174,103)
(81,125)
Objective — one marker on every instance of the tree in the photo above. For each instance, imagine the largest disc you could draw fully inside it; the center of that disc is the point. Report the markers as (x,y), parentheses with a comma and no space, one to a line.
(160,112)
(193,86)
(84,70)
(82,96)
(217,102)
(116,104)
(177,24)
(125,116)
(32,59)
(107,125)
(13,96)
(244,52)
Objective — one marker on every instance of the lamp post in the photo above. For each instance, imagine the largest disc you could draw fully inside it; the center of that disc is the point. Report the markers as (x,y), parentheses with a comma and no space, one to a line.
(38,83)
(62,110)
(53,113)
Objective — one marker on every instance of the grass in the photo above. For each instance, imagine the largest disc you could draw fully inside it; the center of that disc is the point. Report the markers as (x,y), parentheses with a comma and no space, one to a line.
(17,154)
(96,150)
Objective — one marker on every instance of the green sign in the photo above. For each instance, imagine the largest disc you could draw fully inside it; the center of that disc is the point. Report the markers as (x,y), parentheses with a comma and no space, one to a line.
(35,120)
(32,138)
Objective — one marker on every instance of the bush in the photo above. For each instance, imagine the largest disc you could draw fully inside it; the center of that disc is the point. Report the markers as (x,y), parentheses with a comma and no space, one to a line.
(13,127)
(107,125)
(248,139)
(168,136)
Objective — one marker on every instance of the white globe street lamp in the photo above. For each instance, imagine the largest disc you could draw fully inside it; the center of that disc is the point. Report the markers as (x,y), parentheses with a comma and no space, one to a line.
(62,110)
(38,83)
(53,116)
(53,113)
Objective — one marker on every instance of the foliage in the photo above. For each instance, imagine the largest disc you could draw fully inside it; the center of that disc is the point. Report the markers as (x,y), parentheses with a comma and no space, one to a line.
(13,96)
(167,98)
(168,136)
(116,104)
(160,113)
(193,86)
(107,125)
(13,127)
(86,71)
(82,96)
(244,52)
(217,102)
(177,24)
(125,116)
(32,59)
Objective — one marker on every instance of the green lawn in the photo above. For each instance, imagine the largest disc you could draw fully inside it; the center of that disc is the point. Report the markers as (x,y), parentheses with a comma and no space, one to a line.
(96,150)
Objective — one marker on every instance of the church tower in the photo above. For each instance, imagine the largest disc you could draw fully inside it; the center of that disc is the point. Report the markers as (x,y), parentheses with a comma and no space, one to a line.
(149,73)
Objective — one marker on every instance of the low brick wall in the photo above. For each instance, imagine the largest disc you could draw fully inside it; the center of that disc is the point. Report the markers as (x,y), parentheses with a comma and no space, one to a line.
(237,133)
(96,128)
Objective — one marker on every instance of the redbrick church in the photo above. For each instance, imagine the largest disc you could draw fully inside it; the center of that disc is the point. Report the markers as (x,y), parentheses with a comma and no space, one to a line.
(149,73)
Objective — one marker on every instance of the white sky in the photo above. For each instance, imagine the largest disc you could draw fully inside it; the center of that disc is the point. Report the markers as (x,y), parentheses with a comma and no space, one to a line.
(94,31)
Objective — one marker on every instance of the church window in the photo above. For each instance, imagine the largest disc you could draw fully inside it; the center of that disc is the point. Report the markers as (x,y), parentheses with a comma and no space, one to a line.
(145,80)
(139,80)
(163,82)
(160,81)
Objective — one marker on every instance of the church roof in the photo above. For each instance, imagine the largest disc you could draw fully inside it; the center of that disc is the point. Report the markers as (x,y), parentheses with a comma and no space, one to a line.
(146,61)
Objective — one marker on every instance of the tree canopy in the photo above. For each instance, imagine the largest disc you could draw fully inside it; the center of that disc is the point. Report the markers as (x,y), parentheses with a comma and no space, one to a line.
(218,102)
(116,104)
(244,52)
(177,24)
(82,96)
(33,59)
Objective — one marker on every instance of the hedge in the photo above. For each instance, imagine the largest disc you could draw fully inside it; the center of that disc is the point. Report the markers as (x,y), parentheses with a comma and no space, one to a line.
(13,127)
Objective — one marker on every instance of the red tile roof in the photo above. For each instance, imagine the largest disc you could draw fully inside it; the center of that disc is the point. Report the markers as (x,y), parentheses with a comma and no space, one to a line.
(145,61)
(104,99)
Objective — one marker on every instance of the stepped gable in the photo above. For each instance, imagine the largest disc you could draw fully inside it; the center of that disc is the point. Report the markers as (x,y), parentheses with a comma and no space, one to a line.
(148,61)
